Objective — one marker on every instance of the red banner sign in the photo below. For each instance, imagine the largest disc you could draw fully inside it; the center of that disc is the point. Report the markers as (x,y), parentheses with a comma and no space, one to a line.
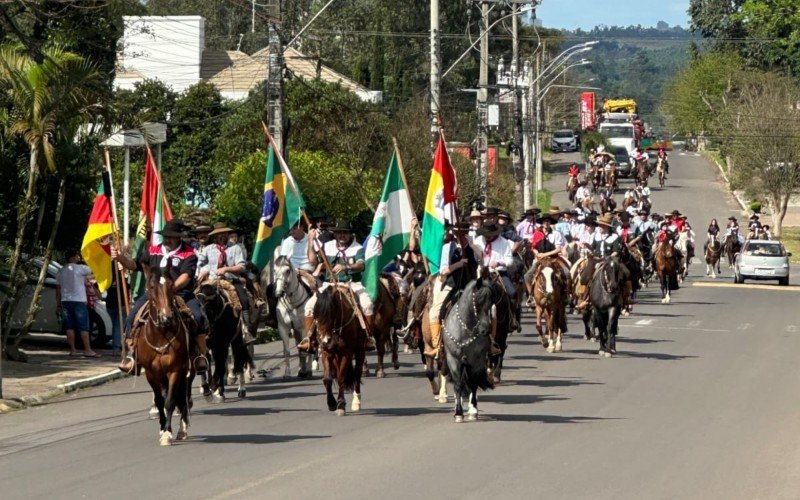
(587,110)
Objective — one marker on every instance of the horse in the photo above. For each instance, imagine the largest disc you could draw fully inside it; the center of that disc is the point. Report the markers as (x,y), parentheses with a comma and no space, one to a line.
(642,172)
(666,267)
(607,203)
(572,187)
(341,340)
(465,334)
(503,308)
(550,295)
(732,247)
(222,308)
(419,319)
(292,293)
(683,246)
(606,298)
(597,177)
(386,324)
(611,178)
(713,252)
(631,258)
(162,344)
(662,171)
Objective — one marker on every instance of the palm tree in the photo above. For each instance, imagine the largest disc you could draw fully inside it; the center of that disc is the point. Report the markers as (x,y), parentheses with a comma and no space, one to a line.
(49,103)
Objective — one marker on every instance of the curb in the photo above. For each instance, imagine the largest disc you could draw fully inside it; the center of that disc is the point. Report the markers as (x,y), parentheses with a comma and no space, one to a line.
(739,200)
(7,405)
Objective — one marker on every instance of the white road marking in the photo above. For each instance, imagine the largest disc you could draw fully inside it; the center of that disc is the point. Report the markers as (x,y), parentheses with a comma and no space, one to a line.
(694,324)
(644,322)
(791,328)
(674,328)
(747,286)
(744,326)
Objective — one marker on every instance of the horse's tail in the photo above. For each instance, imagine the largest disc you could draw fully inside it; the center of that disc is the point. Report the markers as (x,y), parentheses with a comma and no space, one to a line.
(350,377)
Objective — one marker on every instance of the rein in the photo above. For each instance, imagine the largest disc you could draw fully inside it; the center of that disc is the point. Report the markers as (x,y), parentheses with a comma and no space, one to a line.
(476,334)
(298,285)
(337,331)
(163,348)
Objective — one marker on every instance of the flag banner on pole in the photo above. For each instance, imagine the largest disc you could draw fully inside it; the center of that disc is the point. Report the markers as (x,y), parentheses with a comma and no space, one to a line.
(96,248)
(440,206)
(391,228)
(154,210)
(280,210)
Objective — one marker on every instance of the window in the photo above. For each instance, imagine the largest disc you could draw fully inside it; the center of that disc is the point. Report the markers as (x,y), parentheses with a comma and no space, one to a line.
(564,134)
(617,132)
(765,249)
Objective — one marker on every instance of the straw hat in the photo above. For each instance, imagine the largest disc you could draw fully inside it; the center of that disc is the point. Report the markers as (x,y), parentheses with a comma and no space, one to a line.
(606,220)
(219,228)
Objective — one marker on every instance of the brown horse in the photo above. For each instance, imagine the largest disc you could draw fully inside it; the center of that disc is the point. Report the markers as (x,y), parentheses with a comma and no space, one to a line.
(162,344)
(611,178)
(732,247)
(666,266)
(550,296)
(713,254)
(386,323)
(435,367)
(642,172)
(341,341)
(572,187)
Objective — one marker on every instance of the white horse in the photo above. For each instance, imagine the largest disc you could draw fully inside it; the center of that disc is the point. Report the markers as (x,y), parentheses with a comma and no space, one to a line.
(683,245)
(292,294)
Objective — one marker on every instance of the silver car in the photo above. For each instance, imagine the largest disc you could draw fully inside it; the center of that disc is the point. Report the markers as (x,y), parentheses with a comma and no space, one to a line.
(762,260)
(564,140)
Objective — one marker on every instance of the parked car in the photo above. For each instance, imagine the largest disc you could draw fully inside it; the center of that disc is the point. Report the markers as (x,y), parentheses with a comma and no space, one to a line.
(623,160)
(762,260)
(46,320)
(564,140)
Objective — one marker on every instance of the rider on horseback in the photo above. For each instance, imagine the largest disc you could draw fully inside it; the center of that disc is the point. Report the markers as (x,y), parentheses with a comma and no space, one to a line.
(179,260)
(732,229)
(221,261)
(607,244)
(662,159)
(346,259)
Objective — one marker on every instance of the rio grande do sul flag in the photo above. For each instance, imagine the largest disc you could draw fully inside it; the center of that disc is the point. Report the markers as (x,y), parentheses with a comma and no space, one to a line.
(391,228)
(440,206)
(96,249)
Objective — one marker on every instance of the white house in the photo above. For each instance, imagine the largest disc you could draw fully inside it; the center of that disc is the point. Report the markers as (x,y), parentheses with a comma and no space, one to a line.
(172,50)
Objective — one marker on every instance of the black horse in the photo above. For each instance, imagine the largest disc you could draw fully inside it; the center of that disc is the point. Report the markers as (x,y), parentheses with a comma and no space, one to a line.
(466,331)
(606,298)
(225,332)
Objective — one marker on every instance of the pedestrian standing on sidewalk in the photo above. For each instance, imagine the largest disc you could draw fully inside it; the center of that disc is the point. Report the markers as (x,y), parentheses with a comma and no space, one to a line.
(71,299)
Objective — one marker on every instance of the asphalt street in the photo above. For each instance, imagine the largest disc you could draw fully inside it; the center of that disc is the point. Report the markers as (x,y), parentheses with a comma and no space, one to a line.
(700,403)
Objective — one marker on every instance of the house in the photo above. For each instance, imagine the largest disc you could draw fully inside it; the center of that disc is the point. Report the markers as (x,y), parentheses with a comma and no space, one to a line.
(172,49)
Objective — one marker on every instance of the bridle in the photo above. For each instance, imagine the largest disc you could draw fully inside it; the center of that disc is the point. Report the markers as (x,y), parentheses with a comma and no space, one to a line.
(462,322)
(287,293)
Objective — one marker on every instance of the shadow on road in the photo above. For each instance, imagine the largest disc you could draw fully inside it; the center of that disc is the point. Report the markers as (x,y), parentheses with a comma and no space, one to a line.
(245,411)
(641,341)
(546,419)
(406,412)
(654,355)
(517,399)
(550,383)
(251,438)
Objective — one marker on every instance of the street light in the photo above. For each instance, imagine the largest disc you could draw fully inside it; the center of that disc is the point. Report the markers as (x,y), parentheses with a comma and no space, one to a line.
(582,62)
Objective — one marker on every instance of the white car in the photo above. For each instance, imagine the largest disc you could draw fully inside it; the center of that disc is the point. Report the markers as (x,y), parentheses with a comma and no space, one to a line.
(564,140)
(47,321)
(762,260)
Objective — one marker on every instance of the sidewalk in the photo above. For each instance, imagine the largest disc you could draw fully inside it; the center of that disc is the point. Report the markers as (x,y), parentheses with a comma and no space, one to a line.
(50,372)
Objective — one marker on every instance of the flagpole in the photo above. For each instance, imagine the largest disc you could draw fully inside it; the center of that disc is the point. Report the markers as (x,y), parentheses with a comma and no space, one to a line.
(408,193)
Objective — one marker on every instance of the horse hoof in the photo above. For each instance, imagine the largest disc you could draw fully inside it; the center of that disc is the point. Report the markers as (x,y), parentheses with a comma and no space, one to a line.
(217,399)
(355,406)
(396,365)
(302,374)
(592,339)
(153,413)
(241,394)
(315,365)
(442,399)
(182,436)
(459,419)
(340,412)
(601,353)
(472,417)
(558,347)
(165,439)
(605,354)
(551,348)
(231,380)
(380,374)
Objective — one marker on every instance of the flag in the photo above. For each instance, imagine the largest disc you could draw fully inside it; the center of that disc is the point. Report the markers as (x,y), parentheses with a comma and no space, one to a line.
(280,210)
(440,206)
(96,248)
(154,210)
(391,228)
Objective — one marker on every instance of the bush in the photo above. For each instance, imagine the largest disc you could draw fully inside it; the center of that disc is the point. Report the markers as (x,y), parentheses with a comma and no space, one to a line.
(755,207)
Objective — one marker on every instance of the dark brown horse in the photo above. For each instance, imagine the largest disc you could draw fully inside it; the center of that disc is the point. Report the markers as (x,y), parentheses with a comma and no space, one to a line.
(162,344)
(712,254)
(732,247)
(550,296)
(642,172)
(386,324)
(666,267)
(341,341)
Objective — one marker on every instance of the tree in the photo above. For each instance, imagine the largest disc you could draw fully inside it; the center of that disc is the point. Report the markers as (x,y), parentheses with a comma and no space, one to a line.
(766,147)
(49,102)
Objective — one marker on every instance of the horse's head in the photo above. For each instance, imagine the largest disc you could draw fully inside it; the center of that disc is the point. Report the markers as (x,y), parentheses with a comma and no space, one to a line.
(160,297)
(479,296)
(210,297)
(611,275)
(284,274)
(330,315)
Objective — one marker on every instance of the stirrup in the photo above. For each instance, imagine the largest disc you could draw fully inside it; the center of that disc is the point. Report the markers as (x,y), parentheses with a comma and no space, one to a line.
(123,367)
(304,345)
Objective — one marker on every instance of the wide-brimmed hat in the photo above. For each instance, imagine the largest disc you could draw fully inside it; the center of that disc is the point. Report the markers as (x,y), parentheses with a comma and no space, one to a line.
(491,212)
(201,229)
(531,212)
(342,227)
(546,218)
(754,216)
(676,213)
(606,220)
(490,230)
(624,216)
(663,223)
(502,214)
(220,228)
(554,211)
(642,212)
(590,221)
(473,214)
(173,229)
(732,218)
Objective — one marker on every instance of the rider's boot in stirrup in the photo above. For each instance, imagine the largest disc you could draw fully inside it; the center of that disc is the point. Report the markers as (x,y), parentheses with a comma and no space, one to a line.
(369,344)
(199,355)
(309,342)
(246,334)
(128,364)
(436,339)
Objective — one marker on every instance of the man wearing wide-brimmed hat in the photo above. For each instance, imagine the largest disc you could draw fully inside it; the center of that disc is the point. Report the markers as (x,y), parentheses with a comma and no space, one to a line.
(200,234)
(732,229)
(346,259)
(219,260)
(178,260)
(527,224)
(497,255)
(475,222)
(508,231)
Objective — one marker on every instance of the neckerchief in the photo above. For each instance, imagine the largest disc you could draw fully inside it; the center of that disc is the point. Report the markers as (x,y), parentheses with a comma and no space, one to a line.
(222,257)
(167,254)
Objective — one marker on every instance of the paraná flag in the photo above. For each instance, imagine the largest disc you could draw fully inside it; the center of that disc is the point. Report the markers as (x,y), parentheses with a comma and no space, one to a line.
(96,248)
(280,209)
(154,211)
(440,206)
(391,228)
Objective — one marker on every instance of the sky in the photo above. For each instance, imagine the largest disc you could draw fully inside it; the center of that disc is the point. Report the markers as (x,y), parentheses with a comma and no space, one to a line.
(587,14)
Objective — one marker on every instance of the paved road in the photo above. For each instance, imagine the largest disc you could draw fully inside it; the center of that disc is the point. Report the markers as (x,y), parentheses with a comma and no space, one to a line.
(700,403)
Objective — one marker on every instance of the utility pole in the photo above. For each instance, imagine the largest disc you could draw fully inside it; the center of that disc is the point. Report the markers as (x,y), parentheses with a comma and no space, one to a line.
(483,97)
(537,147)
(519,170)
(275,84)
(436,69)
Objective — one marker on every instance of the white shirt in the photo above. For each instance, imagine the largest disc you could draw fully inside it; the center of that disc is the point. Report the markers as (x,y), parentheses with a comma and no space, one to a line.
(557,239)
(582,193)
(297,252)
(498,251)
(72,280)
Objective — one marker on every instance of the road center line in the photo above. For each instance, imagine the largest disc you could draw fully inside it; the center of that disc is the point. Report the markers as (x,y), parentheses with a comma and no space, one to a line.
(774,288)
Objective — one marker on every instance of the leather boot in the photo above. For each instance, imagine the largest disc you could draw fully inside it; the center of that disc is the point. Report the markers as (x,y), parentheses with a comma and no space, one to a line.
(128,364)
(436,339)
(369,344)
(272,313)
(200,361)
(309,342)
(247,336)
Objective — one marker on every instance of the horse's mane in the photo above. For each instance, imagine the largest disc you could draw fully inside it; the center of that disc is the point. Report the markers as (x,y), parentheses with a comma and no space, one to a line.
(283,260)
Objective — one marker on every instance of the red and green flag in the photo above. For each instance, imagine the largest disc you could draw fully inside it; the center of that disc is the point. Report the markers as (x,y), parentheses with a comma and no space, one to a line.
(440,206)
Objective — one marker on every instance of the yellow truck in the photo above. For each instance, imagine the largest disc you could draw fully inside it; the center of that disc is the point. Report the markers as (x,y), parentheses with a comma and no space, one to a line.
(619,106)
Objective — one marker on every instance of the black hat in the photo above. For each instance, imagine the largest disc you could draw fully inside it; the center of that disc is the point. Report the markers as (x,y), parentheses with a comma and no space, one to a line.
(490,230)
(491,212)
(590,221)
(342,227)
(642,212)
(676,213)
(503,215)
(173,229)
(546,217)
(624,216)
(732,218)
(754,216)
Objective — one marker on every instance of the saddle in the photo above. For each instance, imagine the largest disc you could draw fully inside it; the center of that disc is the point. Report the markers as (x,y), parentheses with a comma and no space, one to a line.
(186,314)
(393,289)
(229,293)
(308,279)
